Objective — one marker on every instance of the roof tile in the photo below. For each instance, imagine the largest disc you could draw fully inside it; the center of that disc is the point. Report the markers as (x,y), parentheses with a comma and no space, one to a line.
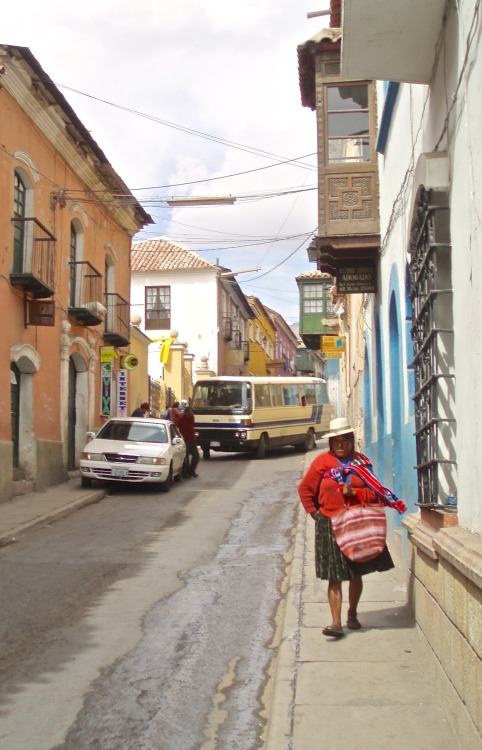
(162,254)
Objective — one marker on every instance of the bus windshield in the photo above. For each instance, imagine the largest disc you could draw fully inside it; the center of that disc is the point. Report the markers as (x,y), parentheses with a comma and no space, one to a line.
(222,397)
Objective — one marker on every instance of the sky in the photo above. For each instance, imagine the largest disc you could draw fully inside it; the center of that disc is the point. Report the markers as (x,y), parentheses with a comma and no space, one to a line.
(196,98)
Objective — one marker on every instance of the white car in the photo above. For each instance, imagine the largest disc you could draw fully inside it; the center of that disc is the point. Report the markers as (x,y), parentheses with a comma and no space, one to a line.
(134,449)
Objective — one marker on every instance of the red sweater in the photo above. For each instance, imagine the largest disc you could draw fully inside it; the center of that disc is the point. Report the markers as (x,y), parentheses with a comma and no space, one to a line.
(185,425)
(323,494)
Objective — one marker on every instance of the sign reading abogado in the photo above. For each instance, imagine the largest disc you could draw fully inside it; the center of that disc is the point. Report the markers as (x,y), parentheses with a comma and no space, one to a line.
(357,279)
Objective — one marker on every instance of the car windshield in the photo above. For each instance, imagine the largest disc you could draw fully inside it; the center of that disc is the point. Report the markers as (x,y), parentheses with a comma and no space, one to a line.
(135,431)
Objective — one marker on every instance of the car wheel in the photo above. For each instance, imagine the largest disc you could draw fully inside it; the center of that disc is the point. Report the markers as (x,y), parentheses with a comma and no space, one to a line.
(85,482)
(166,486)
(262,447)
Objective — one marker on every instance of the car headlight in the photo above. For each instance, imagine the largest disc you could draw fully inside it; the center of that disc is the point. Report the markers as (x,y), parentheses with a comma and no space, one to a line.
(151,460)
(87,456)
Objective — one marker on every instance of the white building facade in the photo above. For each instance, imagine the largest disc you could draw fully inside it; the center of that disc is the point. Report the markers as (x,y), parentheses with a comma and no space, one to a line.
(422,407)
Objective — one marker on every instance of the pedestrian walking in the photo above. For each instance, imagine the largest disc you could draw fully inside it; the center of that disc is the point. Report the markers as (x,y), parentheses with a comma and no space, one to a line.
(336,480)
(186,425)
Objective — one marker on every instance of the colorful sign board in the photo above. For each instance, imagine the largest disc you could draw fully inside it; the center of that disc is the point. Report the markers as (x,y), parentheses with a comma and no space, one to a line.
(332,347)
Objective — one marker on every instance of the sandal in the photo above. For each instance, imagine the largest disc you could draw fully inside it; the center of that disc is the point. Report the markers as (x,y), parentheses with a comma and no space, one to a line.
(335,631)
(353,623)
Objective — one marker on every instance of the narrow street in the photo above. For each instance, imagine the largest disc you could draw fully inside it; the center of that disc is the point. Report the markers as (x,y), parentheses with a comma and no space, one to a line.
(147,620)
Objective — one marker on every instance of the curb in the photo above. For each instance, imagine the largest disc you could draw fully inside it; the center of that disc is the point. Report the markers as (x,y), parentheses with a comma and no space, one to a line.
(279,730)
(11,536)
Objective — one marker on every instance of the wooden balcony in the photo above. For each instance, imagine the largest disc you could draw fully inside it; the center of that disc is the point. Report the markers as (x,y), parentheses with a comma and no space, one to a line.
(86,294)
(117,322)
(33,258)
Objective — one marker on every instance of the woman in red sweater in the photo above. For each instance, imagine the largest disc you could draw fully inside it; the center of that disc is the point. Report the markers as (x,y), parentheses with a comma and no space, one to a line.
(322,497)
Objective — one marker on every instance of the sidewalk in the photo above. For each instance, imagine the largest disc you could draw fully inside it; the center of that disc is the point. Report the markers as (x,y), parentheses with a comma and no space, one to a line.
(25,512)
(379,688)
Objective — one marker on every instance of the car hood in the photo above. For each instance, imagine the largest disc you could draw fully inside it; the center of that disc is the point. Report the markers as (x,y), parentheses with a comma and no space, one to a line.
(128,447)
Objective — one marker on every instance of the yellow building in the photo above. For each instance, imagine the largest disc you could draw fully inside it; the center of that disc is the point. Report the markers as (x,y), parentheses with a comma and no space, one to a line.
(261,339)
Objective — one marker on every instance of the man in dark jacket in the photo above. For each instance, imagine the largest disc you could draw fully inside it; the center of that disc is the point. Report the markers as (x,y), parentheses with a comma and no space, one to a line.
(186,426)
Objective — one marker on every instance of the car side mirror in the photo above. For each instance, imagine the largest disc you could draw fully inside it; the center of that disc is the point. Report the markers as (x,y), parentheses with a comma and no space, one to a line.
(90,435)
(176,441)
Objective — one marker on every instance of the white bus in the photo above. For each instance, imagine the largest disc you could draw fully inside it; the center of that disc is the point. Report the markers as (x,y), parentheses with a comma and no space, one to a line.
(257,414)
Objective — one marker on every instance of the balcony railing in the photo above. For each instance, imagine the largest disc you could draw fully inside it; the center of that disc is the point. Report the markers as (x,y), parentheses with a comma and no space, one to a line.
(117,323)
(33,258)
(86,293)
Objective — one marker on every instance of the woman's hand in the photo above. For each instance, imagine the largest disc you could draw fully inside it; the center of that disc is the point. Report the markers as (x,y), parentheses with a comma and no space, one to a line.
(348,491)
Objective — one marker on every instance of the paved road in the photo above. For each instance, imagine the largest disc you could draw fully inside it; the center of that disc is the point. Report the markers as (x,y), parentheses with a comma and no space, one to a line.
(145,621)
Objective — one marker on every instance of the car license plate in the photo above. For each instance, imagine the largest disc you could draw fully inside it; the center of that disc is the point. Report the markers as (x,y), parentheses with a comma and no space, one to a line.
(120,472)
(215,444)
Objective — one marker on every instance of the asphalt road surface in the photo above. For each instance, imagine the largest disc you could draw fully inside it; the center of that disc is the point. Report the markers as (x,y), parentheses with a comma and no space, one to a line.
(148,621)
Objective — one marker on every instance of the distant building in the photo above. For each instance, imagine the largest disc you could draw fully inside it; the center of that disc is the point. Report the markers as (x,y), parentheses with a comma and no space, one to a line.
(175,289)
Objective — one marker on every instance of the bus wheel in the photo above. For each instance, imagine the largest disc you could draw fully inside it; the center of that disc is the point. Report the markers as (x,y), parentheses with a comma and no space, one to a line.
(308,443)
(262,446)
(206,453)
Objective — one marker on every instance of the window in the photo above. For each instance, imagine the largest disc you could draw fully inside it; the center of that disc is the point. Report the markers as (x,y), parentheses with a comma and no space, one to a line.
(19,203)
(73,258)
(348,123)
(158,307)
(312,298)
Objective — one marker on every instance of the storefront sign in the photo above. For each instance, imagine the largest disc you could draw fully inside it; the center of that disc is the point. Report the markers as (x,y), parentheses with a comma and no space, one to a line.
(122,393)
(106,389)
(357,279)
(332,347)
(40,313)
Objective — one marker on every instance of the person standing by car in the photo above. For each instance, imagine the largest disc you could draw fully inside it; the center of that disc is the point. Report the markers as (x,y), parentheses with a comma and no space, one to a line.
(141,411)
(186,425)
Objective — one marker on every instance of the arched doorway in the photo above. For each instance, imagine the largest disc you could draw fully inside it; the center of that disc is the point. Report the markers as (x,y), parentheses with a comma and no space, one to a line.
(71,415)
(396,404)
(77,409)
(15,414)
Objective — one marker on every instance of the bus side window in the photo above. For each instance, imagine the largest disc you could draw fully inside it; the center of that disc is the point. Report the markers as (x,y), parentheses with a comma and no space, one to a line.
(277,395)
(310,393)
(262,395)
(291,395)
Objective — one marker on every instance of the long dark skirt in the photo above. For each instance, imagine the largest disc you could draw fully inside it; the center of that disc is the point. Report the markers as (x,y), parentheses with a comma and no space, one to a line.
(330,562)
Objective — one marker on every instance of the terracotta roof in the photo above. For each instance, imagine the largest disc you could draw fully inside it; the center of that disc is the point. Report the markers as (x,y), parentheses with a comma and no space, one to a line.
(314,275)
(162,254)
(306,62)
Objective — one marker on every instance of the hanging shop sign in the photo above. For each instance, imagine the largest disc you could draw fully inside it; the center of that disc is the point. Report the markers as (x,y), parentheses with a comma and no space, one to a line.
(332,347)
(357,279)
(122,393)
(40,313)
(128,362)
(106,389)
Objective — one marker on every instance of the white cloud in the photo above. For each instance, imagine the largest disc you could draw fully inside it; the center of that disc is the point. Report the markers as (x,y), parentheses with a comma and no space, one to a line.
(225,68)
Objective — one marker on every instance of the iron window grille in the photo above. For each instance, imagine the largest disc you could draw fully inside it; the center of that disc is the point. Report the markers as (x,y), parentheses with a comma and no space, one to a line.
(433,343)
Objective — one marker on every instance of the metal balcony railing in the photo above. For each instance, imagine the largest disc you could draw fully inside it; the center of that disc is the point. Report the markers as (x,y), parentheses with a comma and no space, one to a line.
(117,322)
(33,257)
(86,293)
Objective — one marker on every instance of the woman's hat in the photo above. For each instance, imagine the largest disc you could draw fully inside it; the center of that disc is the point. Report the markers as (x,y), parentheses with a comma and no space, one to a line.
(339,426)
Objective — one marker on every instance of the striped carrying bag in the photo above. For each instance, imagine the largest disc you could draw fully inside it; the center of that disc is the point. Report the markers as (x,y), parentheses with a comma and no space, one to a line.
(361,531)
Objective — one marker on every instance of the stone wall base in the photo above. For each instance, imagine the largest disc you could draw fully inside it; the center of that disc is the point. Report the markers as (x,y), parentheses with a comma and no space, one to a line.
(445,593)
